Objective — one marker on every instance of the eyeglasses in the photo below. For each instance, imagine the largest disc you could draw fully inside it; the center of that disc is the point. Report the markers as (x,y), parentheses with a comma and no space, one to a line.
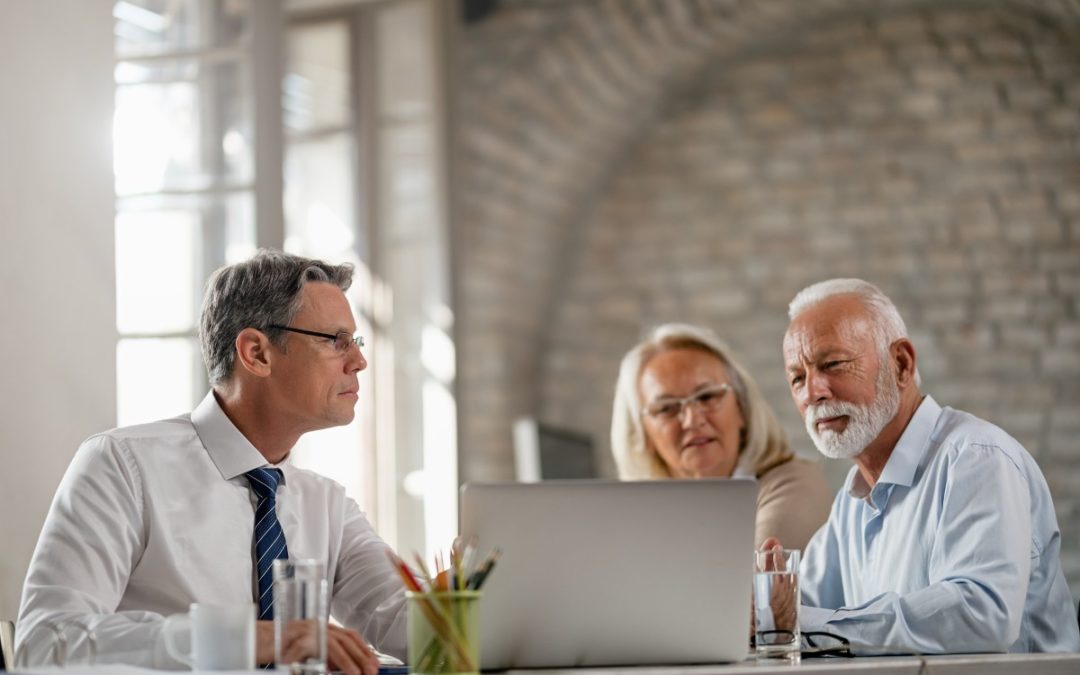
(670,408)
(814,644)
(825,644)
(342,341)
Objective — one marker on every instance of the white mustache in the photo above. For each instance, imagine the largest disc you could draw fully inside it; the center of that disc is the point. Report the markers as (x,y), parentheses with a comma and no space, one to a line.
(823,411)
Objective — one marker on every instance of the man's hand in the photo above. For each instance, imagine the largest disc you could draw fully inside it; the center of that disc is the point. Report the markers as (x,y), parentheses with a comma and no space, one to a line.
(264,642)
(782,600)
(770,544)
(346,650)
(767,545)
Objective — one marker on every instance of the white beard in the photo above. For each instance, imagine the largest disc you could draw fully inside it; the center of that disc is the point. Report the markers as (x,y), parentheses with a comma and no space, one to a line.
(865,422)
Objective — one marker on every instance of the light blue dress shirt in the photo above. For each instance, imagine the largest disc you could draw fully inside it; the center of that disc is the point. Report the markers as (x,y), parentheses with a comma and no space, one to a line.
(956,548)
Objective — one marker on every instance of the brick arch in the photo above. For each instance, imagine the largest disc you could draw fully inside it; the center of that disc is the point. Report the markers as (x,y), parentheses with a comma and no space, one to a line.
(554,98)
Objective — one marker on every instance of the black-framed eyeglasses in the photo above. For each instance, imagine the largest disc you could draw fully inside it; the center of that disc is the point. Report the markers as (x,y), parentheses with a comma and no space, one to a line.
(670,408)
(342,341)
(814,643)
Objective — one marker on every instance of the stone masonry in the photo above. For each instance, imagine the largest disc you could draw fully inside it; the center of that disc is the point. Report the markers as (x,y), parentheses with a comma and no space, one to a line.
(625,163)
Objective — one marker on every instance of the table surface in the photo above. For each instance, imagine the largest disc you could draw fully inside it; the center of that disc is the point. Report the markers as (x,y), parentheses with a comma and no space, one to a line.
(960,664)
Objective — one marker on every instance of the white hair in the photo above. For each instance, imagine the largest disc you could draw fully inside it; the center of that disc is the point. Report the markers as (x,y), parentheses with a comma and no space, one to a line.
(888,324)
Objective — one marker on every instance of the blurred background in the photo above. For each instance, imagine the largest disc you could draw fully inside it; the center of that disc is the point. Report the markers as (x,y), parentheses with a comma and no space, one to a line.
(526,187)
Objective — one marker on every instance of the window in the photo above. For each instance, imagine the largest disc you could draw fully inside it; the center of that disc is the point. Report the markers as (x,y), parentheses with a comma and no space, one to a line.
(183,161)
(323,190)
(208,167)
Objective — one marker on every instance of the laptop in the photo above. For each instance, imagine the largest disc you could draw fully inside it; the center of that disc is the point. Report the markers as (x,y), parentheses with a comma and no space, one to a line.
(607,573)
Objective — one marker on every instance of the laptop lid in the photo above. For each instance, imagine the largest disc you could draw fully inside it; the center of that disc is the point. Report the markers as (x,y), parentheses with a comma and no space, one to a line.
(614,573)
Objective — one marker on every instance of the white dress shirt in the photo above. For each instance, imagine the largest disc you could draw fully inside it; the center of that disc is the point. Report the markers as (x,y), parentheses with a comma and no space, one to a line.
(151,518)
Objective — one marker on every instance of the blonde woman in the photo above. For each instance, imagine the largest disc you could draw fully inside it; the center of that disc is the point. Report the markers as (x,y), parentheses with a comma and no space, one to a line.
(685,408)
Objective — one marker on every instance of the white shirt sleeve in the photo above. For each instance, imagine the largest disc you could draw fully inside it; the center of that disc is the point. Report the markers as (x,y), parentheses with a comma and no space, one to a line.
(368,594)
(94,535)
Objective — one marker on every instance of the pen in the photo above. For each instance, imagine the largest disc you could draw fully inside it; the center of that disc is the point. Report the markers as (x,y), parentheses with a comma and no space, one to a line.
(476,580)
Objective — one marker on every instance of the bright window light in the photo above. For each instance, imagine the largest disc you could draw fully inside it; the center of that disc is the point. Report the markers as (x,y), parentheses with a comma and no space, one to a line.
(154,378)
(155,133)
(440,466)
(155,266)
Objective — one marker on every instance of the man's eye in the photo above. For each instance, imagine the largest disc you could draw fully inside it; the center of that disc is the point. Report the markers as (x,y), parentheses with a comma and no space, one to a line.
(796,380)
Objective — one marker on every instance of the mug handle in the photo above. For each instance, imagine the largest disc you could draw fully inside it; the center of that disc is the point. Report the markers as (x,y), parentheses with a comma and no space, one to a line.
(170,631)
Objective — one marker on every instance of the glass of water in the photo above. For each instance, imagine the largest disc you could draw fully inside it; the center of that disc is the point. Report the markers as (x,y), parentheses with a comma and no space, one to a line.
(776,604)
(301,612)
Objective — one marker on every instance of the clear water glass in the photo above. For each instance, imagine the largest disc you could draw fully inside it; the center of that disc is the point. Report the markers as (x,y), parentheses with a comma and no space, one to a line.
(776,604)
(301,612)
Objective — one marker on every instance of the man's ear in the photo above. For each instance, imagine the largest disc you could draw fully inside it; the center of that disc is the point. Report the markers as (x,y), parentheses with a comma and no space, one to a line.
(903,354)
(253,352)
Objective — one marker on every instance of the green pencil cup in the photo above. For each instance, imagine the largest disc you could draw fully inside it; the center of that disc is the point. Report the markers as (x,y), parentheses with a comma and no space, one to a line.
(443,635)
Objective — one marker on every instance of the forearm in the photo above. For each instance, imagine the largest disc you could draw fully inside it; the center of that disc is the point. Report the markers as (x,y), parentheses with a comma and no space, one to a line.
(78,579)
(377,611)
(368,595)
(946,617)
(131,638)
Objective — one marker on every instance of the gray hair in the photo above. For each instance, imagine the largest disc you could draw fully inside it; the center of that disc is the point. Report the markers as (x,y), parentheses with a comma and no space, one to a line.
(764,444)
(257,293)
(888,324)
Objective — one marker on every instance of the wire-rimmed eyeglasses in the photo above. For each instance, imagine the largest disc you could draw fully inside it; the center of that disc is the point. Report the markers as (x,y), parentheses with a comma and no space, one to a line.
(815,643)
(342,341)
(669,408)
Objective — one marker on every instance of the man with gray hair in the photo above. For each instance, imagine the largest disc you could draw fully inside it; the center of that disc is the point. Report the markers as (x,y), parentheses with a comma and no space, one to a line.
(944,538)
(152,518)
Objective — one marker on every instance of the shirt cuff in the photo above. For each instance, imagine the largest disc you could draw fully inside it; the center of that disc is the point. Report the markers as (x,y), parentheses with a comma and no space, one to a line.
(814,618)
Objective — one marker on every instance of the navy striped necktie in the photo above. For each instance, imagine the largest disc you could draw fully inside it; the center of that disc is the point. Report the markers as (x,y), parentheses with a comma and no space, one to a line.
(269,540)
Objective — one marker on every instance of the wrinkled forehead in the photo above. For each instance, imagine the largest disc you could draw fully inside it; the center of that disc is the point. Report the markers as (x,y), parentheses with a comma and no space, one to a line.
(839,323)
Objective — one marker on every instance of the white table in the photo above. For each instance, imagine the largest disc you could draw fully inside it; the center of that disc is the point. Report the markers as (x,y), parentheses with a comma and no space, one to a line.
(968,664)
(965,664)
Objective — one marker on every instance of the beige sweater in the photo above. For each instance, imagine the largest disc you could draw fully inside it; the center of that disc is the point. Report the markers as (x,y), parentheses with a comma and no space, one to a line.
(793,502)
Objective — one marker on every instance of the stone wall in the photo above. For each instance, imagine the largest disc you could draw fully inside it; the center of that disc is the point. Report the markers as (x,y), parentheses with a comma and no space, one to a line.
(622,164)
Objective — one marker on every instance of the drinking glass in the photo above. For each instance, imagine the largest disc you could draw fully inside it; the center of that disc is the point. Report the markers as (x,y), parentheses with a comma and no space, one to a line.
(300,616)
(776,604)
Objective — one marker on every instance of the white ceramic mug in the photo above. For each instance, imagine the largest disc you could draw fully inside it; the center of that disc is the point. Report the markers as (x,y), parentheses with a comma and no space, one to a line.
(222,636)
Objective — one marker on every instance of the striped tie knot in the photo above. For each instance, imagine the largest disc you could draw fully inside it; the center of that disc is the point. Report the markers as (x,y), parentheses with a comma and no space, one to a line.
(268,541)
(264,482)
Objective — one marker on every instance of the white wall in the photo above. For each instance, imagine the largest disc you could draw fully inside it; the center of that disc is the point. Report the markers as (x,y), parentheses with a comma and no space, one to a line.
(57,315)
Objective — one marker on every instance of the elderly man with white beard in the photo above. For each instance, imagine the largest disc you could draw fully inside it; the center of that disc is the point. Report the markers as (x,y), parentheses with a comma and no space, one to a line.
(944,538)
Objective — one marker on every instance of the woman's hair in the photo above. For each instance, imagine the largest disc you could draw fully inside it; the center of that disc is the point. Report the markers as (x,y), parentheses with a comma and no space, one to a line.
(257,293)
(763,442)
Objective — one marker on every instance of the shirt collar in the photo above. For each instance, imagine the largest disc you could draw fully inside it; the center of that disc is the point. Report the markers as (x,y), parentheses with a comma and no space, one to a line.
(907,454)
(232,453)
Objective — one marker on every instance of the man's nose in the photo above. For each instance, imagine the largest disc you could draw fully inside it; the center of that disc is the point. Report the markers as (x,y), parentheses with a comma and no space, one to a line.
(817,388)
(355,361)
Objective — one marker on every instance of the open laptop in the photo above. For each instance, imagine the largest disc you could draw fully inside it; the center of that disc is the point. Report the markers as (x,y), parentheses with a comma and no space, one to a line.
(614,573)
